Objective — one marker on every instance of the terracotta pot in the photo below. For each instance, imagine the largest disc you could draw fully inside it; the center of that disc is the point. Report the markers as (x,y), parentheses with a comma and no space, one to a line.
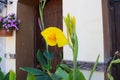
(5,33)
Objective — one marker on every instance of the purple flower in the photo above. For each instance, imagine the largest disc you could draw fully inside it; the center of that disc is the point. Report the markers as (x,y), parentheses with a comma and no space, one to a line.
(13,25)
(4,25)
(9,22)
(9,25)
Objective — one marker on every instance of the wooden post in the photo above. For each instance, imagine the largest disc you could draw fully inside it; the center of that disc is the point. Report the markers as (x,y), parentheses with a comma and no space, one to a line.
(52,17)
(25,37)
(28,38)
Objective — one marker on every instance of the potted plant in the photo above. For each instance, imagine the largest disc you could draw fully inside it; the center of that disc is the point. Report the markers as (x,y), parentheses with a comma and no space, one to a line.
(8,24)
(54,36)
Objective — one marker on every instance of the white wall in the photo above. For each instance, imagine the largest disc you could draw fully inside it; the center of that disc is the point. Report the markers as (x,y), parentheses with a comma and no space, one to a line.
(7,44)
(3,45)
(88,15)
(96,75)
(89,29)
(11,41)
(2,51)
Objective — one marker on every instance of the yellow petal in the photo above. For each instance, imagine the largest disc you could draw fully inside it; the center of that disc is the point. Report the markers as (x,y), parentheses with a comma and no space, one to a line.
(49,36)
(61,39)
(74,21)
(53,36)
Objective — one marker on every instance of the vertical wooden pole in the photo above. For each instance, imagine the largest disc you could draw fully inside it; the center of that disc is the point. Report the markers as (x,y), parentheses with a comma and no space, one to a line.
(25,37)
(52,17)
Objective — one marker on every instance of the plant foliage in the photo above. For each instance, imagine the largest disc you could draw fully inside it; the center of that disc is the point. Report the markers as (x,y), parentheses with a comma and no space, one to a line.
(9,76)
(54,36)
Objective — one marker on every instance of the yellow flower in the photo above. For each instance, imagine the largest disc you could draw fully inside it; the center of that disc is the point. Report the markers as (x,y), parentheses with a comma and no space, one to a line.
(54,36)
(70,22)
(74,21)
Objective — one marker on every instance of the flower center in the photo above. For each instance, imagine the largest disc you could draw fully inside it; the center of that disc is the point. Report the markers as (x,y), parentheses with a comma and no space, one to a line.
(52,38)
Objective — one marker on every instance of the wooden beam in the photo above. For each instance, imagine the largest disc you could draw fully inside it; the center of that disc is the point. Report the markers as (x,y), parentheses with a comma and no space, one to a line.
(25,39)
(28,2)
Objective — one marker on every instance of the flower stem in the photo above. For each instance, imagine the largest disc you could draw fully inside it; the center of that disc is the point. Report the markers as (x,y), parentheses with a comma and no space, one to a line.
(41,15)
(46,47)
(108,69)
(94,67)
(41,8)
(43,4)
(75,54)
(49,73)
(75,68)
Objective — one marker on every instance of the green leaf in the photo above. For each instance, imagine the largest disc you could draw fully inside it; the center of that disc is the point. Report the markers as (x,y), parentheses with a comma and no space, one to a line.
(116,61)
(65,68)
(12,75)
(6,77)
(30,77)
(46,77)
(1,75)
(49,55)
(70,76)
(33,71)
(94,67)
(79,75)
(110,76)
(56,77)
(61,73)
(0,59)
(41,59)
